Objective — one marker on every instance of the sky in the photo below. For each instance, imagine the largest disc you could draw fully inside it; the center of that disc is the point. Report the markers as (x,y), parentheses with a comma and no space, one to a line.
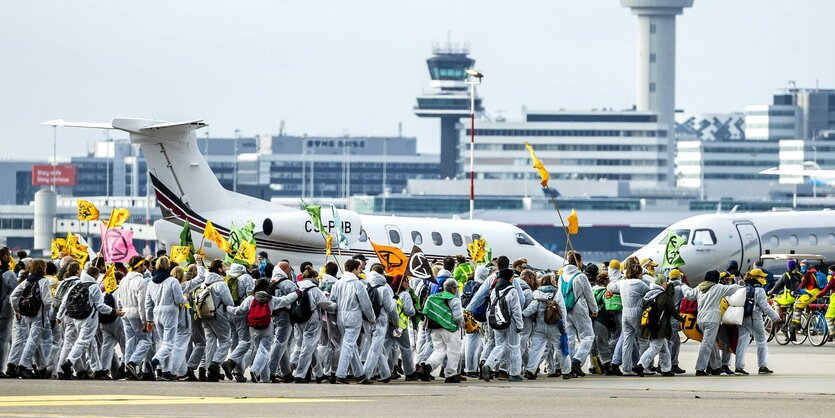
(355,67)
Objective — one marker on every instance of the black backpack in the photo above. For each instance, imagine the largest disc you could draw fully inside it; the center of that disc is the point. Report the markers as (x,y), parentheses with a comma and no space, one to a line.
(30,301)
(470,289)
(498,314)
(78,301)
(749,301)
(300,311)
(376,301)
(110,301)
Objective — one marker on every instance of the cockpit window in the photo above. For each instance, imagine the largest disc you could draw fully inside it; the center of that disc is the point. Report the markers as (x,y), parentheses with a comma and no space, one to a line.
(363,235)
(684,233)
(523,239)
(704,237)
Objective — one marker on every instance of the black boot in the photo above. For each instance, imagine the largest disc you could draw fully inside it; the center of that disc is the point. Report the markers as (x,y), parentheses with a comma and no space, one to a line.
(201,374)
(11,371)
(213,373)
(227,367)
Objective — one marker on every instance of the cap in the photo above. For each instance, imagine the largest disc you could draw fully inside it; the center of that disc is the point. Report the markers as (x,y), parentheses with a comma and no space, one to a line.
(263,254)
(614,264)
(757,273)
(359,257)
(647,262)
(675,274)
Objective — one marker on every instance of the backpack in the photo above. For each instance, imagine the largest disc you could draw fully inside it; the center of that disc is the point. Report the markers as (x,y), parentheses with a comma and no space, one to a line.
(376,302)
(470,288)
(30,301)
(110,301)
(418,308)
(749,301)
(567,289)
(232,282)
(498,314)
(300,311)
(438,311)
(259,316)
(552,310)
(204,302)
(78,301)
(273,291)
(821,279)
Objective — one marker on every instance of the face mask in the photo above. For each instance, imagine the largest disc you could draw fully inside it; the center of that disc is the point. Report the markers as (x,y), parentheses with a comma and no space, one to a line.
(803,269)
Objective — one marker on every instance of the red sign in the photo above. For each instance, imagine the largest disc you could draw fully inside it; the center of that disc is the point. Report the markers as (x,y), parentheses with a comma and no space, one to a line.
(64,175)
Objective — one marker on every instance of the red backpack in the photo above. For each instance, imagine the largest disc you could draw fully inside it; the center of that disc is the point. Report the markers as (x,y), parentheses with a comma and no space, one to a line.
(259,316)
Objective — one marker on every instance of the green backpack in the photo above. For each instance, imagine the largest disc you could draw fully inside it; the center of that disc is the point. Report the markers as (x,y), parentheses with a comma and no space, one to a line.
(232,282)
(567,289)
(437,310)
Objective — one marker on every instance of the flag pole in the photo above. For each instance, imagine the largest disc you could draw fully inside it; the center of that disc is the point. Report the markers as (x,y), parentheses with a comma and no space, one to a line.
(562,221)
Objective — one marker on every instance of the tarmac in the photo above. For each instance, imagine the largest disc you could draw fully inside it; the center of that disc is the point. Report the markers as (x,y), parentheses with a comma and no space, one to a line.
(803,383)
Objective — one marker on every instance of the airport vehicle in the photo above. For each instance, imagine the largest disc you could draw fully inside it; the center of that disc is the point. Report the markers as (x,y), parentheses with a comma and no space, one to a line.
(712,240)
(187,190)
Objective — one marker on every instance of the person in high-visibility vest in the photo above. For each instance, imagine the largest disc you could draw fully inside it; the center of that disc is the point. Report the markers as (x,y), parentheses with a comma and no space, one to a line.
(463,272)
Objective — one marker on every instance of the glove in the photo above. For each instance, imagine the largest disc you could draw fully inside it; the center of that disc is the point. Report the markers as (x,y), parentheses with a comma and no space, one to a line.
(519,330)
(298,293)
(561,326)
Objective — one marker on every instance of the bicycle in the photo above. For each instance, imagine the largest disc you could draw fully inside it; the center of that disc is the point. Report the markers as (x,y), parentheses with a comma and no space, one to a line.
(788,332)
(817,330)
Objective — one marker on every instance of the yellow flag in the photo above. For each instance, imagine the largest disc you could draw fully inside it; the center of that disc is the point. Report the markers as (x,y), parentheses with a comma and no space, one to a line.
(110,279)
(573,223)
(79,253)
(87,211)
(246,252)
(70,242)
(212,235)
(58,245)
(543,173)
(328,242)
(118,217)
(477,250)
(179,253)
(12,263)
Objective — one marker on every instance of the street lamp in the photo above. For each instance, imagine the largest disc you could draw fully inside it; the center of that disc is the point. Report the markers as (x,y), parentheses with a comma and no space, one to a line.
(235,166)
(473,78)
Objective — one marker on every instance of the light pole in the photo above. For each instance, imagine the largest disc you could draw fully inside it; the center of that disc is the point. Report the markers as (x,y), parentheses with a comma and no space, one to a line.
(235,164)
(385,161)
(473,78)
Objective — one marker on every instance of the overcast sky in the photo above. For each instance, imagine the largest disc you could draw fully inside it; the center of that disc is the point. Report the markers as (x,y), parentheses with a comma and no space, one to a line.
(336,67)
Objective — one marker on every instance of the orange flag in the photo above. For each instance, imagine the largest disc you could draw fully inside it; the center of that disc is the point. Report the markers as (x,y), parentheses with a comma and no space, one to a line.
(392,259)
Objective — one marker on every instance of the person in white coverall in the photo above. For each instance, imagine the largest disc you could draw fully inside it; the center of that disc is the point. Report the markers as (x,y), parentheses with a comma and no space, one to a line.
(709,294)
(352,303)
(87,326)
(162,308)
(262,337)
(237,361)
(543,333)
(217,329)
(310,332)
(282,284)
(132,292)
(631,289)
(579,325)
(507,339)
(376,358)
(33,326)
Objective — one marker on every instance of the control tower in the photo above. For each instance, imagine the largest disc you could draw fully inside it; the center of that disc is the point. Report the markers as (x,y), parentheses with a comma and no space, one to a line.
(448,99)
(656,83)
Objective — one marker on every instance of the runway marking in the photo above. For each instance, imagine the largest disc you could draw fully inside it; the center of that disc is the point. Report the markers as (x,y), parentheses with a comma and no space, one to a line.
(111,400)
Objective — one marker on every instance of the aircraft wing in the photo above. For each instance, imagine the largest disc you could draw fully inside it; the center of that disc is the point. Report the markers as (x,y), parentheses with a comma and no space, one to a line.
(775,171)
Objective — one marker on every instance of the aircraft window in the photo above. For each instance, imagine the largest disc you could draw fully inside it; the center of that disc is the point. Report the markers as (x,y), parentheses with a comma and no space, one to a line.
(437,239)
(457,240)
(394,236)
(775,242)
(813,240)
(478,236)
(685,233)
(363,235)
(831,238)
(523,239)
(417,238)
(793,240)
(704,237)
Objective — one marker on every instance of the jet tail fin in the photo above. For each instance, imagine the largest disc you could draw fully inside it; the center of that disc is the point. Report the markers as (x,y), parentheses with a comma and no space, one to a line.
(178,171)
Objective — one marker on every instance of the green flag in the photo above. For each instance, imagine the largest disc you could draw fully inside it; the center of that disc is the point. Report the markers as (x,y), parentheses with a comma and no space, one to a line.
(236,236)
(315,212)
(185,241)
(672,254)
